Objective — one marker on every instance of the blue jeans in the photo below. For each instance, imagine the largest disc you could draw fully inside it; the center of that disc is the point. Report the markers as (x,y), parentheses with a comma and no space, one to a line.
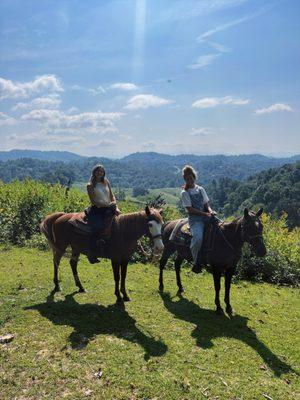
(197,230)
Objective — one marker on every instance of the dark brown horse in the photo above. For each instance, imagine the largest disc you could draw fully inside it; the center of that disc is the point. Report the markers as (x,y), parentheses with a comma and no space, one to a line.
(225,254)
(126,230)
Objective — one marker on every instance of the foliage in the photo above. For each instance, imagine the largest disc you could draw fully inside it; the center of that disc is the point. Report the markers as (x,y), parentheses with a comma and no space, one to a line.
(281,265)
(139,191)
(143,170)
(277,190)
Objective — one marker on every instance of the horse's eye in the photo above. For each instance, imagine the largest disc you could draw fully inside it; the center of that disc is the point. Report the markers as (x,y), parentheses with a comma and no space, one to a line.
(150,224)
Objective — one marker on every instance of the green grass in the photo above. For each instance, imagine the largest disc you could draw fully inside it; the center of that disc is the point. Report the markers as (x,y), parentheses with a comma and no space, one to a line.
(155,347)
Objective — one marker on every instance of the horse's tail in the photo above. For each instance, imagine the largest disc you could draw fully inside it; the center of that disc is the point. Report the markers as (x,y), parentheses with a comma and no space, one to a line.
(46,227)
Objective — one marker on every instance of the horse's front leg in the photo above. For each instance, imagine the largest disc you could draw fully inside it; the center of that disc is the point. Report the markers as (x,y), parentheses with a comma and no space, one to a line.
(217,283)
(116,271)
(228,277)
(124,264)
(162,264)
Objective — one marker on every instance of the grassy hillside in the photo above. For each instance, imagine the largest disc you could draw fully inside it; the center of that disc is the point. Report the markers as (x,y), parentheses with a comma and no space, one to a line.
(78,346)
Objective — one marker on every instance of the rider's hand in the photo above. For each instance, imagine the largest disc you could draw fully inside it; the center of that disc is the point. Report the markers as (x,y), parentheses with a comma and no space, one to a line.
(117,212)
(213,212)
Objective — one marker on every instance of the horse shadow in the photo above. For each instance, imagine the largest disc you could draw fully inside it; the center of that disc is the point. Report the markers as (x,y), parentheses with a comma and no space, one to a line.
(89,320)
(209,326)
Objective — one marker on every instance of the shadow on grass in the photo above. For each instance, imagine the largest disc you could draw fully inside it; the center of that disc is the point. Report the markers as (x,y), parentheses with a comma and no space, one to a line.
(209,325)
(90,320)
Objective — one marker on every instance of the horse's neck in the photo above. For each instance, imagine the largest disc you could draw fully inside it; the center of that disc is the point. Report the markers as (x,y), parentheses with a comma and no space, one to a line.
(233,234)
(132,227)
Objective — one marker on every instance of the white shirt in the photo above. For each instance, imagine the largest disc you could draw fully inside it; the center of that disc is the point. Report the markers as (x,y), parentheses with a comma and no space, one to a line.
(185,195)
(102,193)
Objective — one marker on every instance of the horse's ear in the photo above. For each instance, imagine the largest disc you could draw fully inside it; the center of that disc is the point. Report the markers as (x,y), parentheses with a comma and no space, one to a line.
(259,212)
(147,211)
(246,213)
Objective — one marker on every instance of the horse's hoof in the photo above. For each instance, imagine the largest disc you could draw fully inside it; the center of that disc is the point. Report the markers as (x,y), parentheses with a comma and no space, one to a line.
(81,290)
(161,288)
(180,290)
(126,298)
(119,301)
(56,289)
(219,311)
(229,311)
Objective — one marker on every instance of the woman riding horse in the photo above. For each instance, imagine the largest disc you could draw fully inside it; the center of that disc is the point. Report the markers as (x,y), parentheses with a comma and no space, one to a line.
(196,202)
(103,206)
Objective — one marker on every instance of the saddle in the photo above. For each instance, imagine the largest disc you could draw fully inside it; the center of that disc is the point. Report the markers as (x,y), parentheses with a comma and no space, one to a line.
(182,235)
(82,227)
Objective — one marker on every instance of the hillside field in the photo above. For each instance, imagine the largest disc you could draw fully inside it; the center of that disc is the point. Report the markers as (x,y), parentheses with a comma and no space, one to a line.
(158,346)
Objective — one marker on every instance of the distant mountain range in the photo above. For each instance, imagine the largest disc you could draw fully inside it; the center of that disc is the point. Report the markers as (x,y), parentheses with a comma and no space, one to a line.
(64,156)
(149,169)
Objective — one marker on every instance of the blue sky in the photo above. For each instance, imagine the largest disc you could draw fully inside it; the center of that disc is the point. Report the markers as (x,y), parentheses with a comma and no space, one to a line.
(109,78)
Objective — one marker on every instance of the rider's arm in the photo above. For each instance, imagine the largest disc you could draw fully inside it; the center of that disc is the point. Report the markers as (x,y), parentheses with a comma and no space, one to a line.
(113,199)
(194,211)
(93,200)
(112,196)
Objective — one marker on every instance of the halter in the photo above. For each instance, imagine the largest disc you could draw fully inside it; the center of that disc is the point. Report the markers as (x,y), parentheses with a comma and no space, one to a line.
(156,236)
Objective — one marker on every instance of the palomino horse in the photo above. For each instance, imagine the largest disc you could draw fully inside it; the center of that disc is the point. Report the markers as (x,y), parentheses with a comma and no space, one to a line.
(126,230)
(225,254)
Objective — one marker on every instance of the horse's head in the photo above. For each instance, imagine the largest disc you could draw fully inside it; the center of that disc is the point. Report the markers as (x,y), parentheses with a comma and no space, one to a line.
(252,229)
(154,225)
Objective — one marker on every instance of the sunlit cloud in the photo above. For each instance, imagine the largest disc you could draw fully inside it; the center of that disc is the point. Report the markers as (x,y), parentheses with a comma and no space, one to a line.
(51,102)
(210,102)
(6,119)
(204,61)
(202,132)
(123,86)
(43,83)
(274,108)
(146,101)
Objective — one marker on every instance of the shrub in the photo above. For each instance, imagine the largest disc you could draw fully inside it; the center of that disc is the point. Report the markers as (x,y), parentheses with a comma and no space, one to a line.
(281,265)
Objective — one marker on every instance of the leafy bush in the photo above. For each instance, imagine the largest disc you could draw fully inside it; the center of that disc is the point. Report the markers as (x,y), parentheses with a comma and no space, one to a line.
(281,265)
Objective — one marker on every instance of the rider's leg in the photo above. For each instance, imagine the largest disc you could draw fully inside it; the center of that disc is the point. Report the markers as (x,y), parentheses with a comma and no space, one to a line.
(197,230)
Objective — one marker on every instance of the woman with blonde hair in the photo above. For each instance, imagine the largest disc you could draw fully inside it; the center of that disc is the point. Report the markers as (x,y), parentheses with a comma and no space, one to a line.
(196,202)
(103,205)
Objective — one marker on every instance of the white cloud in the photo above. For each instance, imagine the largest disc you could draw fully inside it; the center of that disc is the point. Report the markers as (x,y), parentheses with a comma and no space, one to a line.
(202,132)
(210,102)
(98,90)
(105,143)
(146,101)
(274,108)
(220,47)
(235,22)
(203,61)
(43,83)
(51,102)
(123,86)
(60,120)
(6,119)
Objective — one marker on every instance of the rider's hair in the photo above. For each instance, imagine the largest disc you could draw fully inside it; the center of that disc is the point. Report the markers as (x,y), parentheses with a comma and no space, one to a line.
(187,170)
(93,175)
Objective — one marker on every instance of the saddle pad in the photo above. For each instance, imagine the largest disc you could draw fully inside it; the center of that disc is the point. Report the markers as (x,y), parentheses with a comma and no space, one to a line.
(181,233)
(80,222)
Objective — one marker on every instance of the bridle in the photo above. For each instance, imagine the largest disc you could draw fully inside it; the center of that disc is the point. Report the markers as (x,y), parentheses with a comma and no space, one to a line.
(248,238)
(159,235)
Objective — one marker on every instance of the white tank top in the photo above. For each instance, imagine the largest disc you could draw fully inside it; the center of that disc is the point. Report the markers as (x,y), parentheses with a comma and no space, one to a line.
(102,193)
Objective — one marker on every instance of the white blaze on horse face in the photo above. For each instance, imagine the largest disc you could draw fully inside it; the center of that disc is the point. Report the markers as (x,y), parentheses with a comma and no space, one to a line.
(155,229)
